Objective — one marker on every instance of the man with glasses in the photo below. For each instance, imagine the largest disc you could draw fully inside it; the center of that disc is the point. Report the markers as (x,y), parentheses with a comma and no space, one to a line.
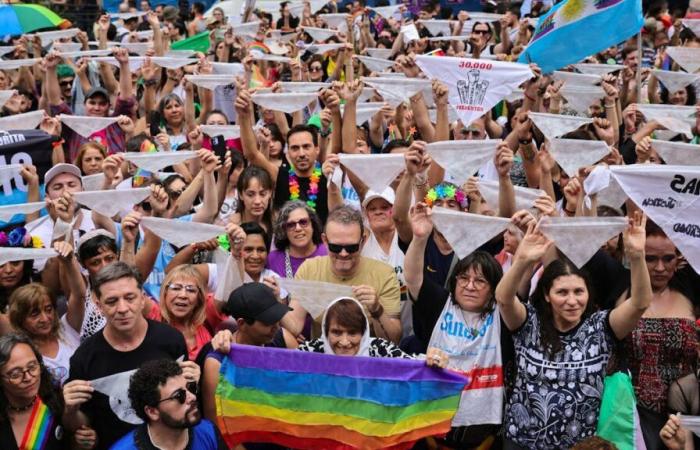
(100,368)
(373,282)
(167,403)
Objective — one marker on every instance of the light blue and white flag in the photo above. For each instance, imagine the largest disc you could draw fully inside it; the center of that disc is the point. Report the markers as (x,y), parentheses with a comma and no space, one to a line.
(575,29)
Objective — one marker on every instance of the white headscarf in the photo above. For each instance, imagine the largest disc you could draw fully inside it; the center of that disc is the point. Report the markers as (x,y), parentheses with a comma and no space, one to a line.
(364,343)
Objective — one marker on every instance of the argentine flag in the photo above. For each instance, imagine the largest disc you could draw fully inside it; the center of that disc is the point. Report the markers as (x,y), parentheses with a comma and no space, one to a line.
(575,29)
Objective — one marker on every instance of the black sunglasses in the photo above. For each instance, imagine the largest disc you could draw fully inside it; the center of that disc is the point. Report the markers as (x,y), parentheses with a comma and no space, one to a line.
(146,206)
(181,394)
(350,248)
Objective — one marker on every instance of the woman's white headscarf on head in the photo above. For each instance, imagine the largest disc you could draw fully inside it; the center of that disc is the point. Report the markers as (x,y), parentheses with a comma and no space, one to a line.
(364,343)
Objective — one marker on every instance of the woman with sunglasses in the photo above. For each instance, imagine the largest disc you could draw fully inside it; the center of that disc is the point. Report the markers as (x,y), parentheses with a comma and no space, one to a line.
(297,233)
(29,401)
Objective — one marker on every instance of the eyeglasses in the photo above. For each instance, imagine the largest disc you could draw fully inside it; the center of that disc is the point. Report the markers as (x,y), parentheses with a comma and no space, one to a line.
(350,248)
(303,223)
(181,394)
(66,83)
(17,375)
(315,69)
(477,283)
(176,193)
(179,287)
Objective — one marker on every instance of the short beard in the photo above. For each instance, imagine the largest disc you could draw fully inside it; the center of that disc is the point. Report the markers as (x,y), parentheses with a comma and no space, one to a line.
(183,423)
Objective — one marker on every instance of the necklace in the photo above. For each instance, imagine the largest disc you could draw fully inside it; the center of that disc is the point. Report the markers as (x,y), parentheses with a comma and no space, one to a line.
(473,326)
(312,192)
(22,408)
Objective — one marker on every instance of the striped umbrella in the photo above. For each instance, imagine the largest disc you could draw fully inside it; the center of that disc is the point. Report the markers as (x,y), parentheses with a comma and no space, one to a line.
(20,18)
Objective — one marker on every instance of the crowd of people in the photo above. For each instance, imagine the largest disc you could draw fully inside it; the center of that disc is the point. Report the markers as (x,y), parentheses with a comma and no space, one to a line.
(115,338)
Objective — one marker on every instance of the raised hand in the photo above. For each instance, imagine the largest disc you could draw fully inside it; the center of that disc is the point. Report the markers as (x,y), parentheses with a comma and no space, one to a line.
(635,236)
(158,200)
(503,160)
(421,223)
(533,246)
(643,149)
(130,226)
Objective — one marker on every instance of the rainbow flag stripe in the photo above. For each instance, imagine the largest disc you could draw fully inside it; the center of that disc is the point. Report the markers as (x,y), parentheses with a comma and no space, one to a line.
(315,401)
(39,427)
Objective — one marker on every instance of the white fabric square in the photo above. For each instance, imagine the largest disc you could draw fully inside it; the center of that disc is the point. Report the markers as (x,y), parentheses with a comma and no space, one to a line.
(675,81)
(451,114)
(285,102)
(314,296)
(86,53)
(247,29)
(126,15)
(319,34)
(229,277)
(48,37)
(375,64)
(367,94)
(336,21)
(153,162)
(6,49)
(475,86)
(555,125)
(375,171)
(686,57)
(691,423)
(228,68)
(466,232)
(669,196)
(322,49)
(210,81)
(579,238)
(364,111)
(9,170)
(579,97)
(9,64)
(25,121)
(600,182)
(145,34)
(381,53)
(484,17)
(576,78)
(180,233)
(172,63)
(395,91)
(109,203)
(273,58)
(572,154)
(598,69)
(86,126)
(461,159)
(6,95)
(436,27)
(387,12)
(135,62)
(693,25)
(67,46)
(524,197)
(410,33)
(9,211)
(25,254)
(180,53)
(303,86)
(677,153)
(93,182)
(140,48)
(676,118)
(227,131)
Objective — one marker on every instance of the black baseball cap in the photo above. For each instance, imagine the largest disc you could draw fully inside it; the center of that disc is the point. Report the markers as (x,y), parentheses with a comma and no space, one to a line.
(97,91)
(256,301)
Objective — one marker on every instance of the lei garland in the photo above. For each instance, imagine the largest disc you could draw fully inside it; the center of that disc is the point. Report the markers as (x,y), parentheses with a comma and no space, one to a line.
(20,238)
(446,191)
(312,192)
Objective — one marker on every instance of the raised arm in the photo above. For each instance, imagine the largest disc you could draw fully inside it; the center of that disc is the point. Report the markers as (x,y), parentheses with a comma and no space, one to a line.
(624,318)
(53,91)
(413,263)
(531,249)
(210,202)
(350,92)
(125,84)
(70,271)
(251,152)
(503,160)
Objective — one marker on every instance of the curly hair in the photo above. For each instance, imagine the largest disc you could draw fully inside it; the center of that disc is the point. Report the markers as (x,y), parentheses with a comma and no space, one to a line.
(549,336)
(48,393)
(280,231)
(145,383)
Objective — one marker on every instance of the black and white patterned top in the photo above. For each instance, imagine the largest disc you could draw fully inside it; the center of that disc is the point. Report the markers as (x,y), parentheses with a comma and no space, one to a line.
(556,401)
(378,348)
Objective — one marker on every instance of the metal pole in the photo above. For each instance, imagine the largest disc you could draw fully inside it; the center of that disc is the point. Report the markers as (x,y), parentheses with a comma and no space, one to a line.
(639,67)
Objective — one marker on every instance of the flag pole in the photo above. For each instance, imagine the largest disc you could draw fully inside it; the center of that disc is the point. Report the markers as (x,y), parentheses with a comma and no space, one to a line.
(638,78)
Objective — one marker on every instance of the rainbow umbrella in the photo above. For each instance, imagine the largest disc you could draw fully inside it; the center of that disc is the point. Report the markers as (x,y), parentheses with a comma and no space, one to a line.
(20,18)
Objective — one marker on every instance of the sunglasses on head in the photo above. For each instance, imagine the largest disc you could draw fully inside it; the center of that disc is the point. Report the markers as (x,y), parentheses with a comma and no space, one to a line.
(350,248)
(181,394)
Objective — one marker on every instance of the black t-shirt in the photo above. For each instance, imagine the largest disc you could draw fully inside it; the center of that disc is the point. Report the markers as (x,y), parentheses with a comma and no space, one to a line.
(57,439)
(282,191)
(95,358)
(293,22)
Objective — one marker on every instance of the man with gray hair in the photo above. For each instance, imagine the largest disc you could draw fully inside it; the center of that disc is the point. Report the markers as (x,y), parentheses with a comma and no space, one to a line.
(373,282)
(96,393)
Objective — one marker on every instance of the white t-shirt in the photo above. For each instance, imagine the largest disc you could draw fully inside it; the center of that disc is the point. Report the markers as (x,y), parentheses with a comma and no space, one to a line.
(68,342)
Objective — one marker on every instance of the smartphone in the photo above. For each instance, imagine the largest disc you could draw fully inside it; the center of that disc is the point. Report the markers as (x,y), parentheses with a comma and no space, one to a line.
(218,146)
(155,124)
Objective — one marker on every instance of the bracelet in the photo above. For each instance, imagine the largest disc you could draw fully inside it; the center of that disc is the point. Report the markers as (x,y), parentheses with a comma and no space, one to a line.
(150,83)
(325,133)
(376,314)
(610,106)
(569,213)
(57,143)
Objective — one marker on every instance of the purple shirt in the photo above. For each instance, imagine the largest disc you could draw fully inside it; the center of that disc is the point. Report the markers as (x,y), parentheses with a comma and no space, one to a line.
(275,260)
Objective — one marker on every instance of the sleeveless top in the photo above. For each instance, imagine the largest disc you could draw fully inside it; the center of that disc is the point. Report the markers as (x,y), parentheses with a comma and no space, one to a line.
(660,352)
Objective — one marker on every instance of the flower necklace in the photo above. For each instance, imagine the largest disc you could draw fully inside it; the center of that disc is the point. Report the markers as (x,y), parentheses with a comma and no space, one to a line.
(312,192)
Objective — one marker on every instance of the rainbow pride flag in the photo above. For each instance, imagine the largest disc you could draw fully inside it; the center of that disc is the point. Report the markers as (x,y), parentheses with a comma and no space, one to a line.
(38,429)
(315,401)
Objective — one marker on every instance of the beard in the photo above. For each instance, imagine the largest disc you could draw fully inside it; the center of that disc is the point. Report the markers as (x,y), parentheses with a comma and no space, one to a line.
(192,417)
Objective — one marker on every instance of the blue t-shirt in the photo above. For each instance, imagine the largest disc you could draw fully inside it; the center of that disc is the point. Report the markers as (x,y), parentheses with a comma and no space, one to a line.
(204,436)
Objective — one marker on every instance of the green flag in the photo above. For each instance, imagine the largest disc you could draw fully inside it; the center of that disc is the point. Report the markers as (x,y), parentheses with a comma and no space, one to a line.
(198,43)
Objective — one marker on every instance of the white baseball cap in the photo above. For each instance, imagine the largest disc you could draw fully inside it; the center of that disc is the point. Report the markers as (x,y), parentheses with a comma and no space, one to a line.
(387,194)
(58,169)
